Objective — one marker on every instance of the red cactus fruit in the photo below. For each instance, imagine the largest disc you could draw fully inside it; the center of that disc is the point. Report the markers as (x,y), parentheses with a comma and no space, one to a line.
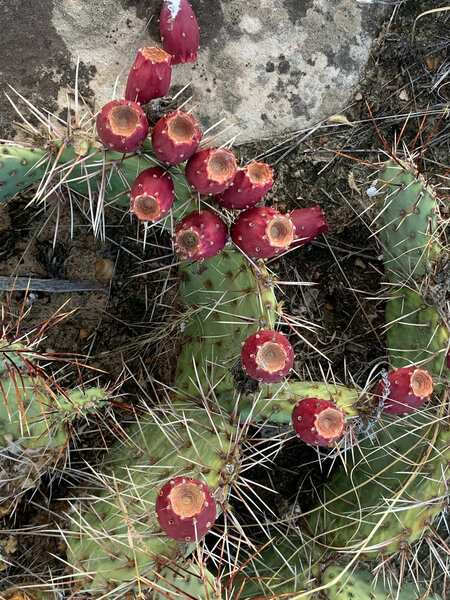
(185,509)
(262,232)
(176,137)
(122,125)
(149,76)
(211,171)
(447,359)
(179,31)
(200,235)
(267,356)
(250,184)
(152,194)
(309,223)
(409,388)
(318,422)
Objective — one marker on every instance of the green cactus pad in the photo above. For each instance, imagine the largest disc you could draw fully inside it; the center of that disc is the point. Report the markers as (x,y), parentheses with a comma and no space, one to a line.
(186,581)
(275,402)
(416,333)
(407,221)
(360,584)
(20,166)
(230,301)
(117,541)
(392,487)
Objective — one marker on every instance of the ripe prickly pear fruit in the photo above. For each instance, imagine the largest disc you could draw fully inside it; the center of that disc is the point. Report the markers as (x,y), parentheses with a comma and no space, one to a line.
(409,388)
(122,125)
(211,171)
(185,509)
(152,194)
(263,232)
(200,235)
(309,223)
(179,31)
(176,137)
(267,356)
(149,76)
(318,422)
(250,185)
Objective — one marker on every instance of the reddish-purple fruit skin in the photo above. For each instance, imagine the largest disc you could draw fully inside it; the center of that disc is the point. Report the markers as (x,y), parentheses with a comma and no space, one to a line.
(243,193)
(211,229)
(179,31)
(197,172)
(309,223)
(169,150)
(400,399)
(155,183)
(185,529)
(250,349)
(249,232)
(148,78)
(114,141)
(304,418)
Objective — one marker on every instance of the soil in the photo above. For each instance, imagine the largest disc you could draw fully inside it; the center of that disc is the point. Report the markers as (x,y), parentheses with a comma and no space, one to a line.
(122,330)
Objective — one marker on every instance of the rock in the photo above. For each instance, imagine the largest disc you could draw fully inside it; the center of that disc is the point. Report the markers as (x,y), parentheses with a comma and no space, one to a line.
(269,67)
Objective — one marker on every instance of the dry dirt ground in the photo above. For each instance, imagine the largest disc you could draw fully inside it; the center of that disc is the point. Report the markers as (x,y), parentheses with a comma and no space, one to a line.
(117,328)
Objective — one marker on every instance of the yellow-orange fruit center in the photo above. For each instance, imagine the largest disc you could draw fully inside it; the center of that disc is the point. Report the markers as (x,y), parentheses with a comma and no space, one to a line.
(259,173)
(124,120)
(146,208)
(187,499)
(421,383)
(280,232)
(181,129)
(154,53)
(330,423)
(221,166)
(271,357)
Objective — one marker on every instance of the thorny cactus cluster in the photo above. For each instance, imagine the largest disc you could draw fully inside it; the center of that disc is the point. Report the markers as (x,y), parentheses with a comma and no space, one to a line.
(140,527)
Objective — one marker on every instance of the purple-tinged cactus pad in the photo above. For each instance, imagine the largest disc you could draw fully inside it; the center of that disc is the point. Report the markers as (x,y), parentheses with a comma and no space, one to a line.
(179,31)
(200,235)
(122,125)
(267,356)
(318,422)
(149,76)
(409,388)
(152,194)
(185,509)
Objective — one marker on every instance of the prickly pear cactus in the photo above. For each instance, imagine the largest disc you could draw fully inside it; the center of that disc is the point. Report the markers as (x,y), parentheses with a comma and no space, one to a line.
(190,580)
(20,166)
(116,541)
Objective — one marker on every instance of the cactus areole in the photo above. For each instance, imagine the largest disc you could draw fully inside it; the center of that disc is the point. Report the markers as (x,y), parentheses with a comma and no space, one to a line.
(212,170)
(122,125)
(267,356)
(152,194)
(409,388)
(200,235)
(149,76)
(185,509)
(175,137)
(318,422)
(179,31)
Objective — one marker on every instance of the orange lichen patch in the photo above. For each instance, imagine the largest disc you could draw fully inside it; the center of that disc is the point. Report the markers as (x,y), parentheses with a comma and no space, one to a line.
(155,54)
(146,208)
(124,120)
(259,173)
(188,241)
(187,499)
(421,383)
(181,129)
(280,232)
(221,165)
(330,423)
(271,357)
